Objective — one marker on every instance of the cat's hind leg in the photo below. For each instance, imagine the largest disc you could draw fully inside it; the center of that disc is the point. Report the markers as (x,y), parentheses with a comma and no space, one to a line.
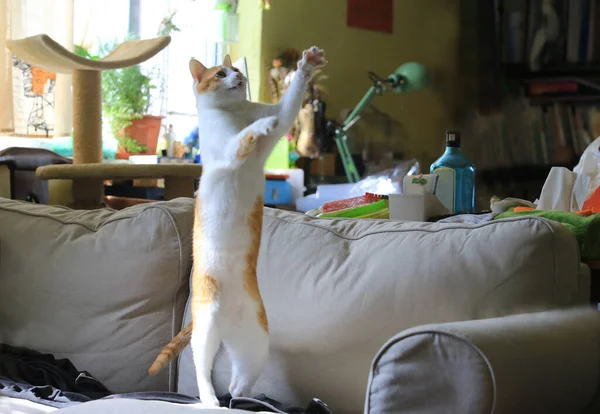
(205,343)
(248,347)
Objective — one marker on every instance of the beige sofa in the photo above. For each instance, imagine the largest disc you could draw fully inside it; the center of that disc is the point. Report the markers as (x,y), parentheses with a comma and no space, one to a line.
(368,316)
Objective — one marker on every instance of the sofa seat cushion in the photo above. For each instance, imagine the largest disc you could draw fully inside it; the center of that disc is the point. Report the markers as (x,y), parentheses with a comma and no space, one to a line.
(104,288)
(336,290)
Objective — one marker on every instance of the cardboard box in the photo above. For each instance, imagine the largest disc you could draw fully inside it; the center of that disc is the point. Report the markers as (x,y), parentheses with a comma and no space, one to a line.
(323,166)
(415,207)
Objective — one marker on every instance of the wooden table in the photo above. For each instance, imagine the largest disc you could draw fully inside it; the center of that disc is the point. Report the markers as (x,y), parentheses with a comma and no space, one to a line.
(88,179)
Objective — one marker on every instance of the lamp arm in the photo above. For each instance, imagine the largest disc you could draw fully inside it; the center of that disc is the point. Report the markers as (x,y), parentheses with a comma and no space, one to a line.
(340,135)
(408,77)
(364,103)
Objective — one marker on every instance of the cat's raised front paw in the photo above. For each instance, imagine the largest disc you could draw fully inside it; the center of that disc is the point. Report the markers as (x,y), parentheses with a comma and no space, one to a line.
(312,58)
(266,125)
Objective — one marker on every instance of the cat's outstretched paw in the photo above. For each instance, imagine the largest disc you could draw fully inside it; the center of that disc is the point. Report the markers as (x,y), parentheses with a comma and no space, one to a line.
(265,126)
(312,58)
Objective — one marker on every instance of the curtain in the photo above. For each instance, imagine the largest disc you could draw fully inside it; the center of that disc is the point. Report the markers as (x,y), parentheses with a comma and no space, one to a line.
(34,102)
(45,110)
(6,112)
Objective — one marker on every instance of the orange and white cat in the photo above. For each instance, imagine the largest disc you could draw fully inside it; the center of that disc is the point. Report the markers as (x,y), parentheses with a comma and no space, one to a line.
(236,137)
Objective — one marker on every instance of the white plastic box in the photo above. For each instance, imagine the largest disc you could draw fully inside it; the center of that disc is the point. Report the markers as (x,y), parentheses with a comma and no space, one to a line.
(415,207)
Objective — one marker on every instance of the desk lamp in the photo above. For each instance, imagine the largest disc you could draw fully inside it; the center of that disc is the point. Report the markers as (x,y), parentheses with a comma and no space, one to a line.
(411,76)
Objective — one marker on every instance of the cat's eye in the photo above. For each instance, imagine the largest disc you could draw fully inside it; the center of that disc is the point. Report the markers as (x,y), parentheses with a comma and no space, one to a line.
(221,74)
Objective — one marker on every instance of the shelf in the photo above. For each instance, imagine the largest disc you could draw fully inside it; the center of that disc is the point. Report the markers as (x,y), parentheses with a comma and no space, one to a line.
(520,172)
(585,76)
(566,99)
(559,72)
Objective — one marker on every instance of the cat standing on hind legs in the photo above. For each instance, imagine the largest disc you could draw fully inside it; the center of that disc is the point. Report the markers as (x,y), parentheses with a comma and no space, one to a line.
(236,137)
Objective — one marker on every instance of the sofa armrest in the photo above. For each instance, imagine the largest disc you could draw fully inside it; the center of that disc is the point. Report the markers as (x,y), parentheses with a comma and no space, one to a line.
(545,362)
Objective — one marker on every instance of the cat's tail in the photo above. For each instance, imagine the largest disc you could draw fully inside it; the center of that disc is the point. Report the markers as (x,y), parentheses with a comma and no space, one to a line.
(173,348)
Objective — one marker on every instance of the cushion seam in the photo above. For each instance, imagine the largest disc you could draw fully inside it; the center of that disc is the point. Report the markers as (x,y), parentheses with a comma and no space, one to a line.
(471,227)
(109,220)
(173,371)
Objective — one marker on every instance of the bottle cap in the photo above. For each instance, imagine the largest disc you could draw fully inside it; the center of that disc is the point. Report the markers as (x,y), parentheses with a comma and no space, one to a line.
(453,139)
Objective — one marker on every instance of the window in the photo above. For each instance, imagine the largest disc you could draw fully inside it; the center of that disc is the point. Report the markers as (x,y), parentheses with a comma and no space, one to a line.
(90,23)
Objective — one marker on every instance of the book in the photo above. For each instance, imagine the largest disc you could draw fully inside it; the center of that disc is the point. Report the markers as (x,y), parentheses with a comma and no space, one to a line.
(513,27)
(556,48)
(584,31)
(591,31)
(574,30)
(549,88)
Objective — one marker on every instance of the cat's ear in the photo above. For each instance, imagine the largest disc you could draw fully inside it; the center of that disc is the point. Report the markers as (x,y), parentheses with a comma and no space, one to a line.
(227,61)
(197,69)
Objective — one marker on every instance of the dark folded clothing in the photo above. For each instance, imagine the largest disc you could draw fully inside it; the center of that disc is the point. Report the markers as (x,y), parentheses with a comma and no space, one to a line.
(263,403)
(41,378)
(51,396)
(32,367)
(41,394)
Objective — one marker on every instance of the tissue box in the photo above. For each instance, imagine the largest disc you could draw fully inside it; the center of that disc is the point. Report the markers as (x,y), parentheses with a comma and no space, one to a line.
(415,207)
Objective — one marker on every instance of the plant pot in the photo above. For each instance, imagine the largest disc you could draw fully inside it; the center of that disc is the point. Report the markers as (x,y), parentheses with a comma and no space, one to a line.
(145,131)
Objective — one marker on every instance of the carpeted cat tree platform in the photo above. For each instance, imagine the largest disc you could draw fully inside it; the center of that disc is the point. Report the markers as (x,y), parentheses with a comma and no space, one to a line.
(88,172)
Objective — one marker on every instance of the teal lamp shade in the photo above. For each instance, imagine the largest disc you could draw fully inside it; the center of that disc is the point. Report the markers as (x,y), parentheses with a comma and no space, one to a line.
(409,77)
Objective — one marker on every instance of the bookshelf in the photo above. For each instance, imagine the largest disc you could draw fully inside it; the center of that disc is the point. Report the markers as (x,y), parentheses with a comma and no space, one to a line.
(547,54)
(560,71)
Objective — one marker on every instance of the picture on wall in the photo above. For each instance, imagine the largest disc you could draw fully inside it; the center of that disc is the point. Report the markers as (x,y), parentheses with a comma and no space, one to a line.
(371,15)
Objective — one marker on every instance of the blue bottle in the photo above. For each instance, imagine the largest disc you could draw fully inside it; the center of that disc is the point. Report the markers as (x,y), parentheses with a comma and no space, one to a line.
(456,177)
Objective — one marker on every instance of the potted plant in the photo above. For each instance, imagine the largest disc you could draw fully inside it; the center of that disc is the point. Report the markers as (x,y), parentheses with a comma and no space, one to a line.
(126,100)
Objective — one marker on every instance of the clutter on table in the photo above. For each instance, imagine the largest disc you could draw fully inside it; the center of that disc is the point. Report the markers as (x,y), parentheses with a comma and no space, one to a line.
(366,206)
(401,192)
(405,194)
(374,210)
(418,203)
(387,181)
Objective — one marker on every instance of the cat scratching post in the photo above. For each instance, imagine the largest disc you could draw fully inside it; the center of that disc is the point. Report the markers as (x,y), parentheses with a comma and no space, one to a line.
(87,133)
(43,52)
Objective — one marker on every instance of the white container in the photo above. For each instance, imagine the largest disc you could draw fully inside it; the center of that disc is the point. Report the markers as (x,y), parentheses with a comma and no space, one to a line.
(143,159)
(415,207)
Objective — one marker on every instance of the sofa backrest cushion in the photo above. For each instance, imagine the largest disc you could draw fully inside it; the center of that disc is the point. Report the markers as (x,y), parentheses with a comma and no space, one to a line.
(336,290)
(103,288)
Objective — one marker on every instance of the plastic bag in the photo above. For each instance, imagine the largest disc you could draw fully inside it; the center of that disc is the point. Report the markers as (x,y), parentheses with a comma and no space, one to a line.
(388,181)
